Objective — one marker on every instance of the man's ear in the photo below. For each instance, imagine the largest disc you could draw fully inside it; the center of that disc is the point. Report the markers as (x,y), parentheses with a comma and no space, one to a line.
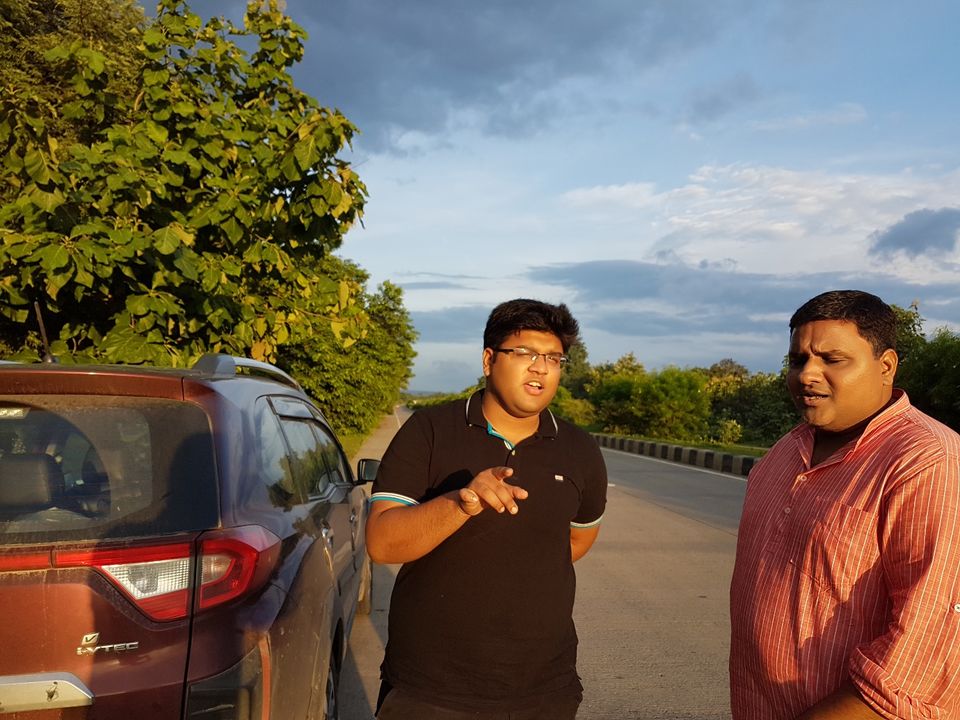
(888,365)
(487,361)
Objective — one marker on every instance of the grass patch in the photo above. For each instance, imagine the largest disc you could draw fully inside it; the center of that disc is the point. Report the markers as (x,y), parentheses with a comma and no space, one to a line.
(351,443)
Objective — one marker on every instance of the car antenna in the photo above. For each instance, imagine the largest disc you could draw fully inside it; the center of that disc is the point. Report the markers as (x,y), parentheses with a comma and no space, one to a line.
(48,357)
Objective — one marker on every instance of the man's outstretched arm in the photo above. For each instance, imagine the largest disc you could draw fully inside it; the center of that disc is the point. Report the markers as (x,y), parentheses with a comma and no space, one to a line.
(398,533)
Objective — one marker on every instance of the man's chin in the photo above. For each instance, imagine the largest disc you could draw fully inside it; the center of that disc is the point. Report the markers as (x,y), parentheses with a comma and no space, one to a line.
(534,406)
(816,418)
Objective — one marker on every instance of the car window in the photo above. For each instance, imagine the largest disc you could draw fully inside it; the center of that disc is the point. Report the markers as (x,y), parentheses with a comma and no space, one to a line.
(336,464)
(91,467)
(275,469)
(310,471)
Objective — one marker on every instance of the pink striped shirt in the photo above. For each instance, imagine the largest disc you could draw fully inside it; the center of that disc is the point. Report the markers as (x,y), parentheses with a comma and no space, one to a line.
(851,569)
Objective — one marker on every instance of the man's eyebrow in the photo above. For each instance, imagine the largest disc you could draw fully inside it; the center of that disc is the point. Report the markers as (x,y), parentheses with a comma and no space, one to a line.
(540,352)
(818,352)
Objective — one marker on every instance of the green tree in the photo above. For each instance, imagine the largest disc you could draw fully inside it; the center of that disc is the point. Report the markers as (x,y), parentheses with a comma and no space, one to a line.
(576,371)
(31,28)
(183,226)
(579,411)
(354,386)
(911,340)
(727,368)
(612,389)
(673,403)
(932,378)
(760,404)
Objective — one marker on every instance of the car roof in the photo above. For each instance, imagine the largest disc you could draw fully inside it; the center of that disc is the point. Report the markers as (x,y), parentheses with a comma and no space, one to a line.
(139,379)
(210,366)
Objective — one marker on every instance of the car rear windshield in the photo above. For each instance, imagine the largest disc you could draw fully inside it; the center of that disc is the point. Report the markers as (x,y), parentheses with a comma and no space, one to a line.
(83,467)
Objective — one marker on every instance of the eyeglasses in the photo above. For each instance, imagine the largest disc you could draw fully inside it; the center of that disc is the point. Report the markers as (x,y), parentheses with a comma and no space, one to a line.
(553,359)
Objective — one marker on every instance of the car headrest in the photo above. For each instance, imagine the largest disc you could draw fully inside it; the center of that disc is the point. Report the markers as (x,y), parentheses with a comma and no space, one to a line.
(29,482)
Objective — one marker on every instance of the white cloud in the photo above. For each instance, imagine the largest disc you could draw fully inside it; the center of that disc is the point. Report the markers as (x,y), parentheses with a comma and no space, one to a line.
(774,219)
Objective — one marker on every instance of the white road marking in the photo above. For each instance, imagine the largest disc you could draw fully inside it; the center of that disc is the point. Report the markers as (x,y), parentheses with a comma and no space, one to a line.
(742,478)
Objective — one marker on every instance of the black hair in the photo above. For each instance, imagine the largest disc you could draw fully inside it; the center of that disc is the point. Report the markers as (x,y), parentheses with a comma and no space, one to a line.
(875,320)
(513,316)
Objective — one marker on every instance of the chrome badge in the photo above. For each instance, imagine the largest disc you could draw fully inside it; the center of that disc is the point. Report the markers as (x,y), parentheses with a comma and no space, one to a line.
(88,646)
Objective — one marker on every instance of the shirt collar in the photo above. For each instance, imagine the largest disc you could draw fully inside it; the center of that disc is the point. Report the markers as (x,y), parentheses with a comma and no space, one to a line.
(474,416)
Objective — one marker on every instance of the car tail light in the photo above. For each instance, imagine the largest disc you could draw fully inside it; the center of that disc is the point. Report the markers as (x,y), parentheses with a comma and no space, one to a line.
(19,561)
(157,578)
(235,561)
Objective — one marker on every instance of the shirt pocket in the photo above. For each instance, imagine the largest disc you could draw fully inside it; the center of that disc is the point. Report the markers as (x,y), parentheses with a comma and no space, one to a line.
(840,548)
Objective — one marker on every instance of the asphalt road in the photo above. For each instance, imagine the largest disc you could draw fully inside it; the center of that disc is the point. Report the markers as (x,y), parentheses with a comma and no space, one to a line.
(651,612)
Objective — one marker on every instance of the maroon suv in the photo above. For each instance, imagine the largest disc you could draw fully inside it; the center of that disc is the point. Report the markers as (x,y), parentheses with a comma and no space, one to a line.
(173,544)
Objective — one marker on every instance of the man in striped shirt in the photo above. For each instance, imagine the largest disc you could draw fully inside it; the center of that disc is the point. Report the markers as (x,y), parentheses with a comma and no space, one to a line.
(845,600)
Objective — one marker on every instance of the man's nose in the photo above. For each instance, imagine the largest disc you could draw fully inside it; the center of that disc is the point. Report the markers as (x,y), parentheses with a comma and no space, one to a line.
(811,371)
(540,364)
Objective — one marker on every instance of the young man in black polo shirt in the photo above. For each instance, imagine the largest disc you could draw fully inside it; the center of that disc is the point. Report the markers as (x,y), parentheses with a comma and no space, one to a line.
(487,502)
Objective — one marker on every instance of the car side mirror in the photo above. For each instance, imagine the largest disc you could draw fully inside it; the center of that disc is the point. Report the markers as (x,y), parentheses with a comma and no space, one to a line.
(367,470)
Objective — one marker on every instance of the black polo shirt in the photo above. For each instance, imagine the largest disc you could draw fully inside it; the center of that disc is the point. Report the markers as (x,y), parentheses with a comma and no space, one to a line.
(484,621)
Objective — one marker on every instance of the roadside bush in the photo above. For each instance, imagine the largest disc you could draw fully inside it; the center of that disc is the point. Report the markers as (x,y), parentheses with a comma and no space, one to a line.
(726,431)
(673,403)
(576,410)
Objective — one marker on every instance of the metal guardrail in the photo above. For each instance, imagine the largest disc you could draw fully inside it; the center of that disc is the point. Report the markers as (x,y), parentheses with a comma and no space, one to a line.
(699,457)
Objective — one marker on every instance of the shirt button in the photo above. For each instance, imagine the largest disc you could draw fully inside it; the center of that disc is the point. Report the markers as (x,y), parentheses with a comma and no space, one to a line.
(801,478)
(956,608)
(786,511)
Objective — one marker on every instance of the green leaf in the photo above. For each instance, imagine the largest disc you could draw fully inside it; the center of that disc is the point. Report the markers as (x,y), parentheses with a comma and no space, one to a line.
(56,281)
(153,37)
(167,239)
(186,263)
(233,230)
(36,166)
(231,266)
(288,166)
(95,61)
(138,305)
(83,277)
(210,278)
(184,108)
(52,257)
(306,153)
(156,77)
(46,201)
(155,132)
(123,345)
(59,52)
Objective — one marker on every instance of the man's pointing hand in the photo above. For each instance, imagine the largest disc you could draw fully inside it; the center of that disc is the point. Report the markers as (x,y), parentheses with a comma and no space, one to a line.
(489,489)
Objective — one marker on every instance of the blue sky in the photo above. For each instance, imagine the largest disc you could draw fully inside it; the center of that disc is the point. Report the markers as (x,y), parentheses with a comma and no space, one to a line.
(683,174)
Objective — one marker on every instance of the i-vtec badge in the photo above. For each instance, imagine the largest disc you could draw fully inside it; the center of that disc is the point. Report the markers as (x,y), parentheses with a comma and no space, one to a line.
(88,646)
